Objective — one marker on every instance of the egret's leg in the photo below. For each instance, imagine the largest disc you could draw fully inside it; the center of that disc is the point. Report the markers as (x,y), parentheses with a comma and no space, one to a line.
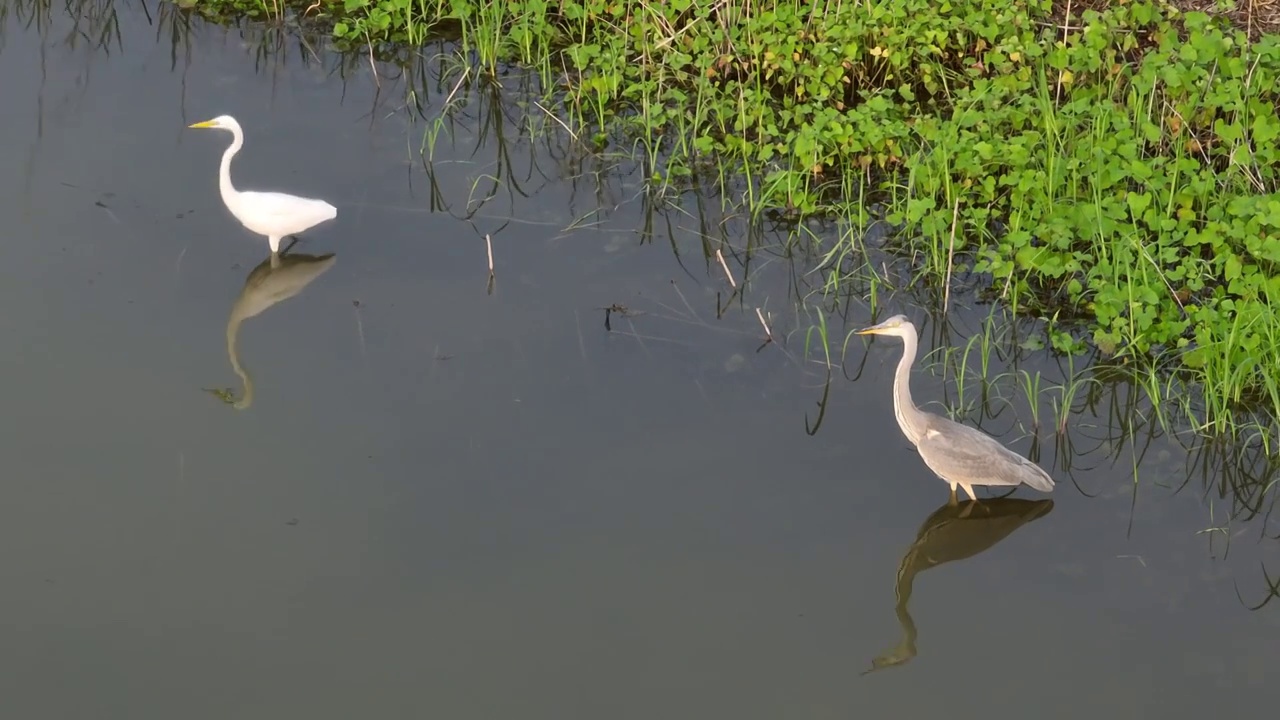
(274,242)
(953,500)
(275,260)
(969,489)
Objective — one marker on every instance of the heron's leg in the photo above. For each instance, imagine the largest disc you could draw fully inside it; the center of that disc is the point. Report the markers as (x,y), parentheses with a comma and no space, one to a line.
(953,500)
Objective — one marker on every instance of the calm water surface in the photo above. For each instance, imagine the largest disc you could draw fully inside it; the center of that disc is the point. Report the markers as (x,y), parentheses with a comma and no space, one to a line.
(450,503)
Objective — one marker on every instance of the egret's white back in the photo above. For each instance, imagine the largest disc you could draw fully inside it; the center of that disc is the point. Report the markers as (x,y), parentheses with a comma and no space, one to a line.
(274,214)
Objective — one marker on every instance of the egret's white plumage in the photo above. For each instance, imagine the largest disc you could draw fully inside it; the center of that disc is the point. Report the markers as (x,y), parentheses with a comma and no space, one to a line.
(276,215)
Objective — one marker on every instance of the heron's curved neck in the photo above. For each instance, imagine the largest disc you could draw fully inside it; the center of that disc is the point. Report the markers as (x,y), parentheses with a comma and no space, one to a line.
(909,417)
(224,172)
(905,650)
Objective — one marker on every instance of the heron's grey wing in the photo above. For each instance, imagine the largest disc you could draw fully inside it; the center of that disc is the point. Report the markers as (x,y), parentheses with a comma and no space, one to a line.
(959,453)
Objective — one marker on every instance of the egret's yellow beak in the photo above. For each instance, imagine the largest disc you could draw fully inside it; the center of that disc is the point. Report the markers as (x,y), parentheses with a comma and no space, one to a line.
(205,124)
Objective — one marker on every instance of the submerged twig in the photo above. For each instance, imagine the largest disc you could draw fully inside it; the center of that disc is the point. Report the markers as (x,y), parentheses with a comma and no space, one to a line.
(693,313)
(725,265)
(177,266)
(582,344)
(360,330)
(768,334)
(488,245)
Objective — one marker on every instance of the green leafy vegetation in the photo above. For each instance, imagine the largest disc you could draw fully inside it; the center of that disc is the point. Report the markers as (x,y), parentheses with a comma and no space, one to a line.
(1110,167)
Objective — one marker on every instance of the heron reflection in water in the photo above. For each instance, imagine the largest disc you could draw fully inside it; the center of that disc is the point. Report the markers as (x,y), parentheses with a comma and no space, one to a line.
(278,278)
(960,455)
(952,533)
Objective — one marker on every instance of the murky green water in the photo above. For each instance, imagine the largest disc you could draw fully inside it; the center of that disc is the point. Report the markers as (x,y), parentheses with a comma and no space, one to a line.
(443,502)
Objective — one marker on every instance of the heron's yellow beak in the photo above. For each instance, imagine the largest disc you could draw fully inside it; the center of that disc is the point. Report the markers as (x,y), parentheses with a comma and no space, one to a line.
(876,329)
(205,124)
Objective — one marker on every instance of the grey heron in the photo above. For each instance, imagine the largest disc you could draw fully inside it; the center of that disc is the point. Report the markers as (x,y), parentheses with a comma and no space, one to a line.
(960,455)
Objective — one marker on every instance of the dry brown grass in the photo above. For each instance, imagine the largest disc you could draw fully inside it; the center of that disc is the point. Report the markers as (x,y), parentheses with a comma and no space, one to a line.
(1256,17)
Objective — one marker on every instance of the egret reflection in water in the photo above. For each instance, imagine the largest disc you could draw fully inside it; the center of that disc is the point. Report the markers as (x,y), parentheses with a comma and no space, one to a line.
(275,279)
(952,532)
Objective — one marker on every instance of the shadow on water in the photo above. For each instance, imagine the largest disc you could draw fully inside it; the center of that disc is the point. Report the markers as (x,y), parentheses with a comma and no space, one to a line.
(274,280)
(951,533)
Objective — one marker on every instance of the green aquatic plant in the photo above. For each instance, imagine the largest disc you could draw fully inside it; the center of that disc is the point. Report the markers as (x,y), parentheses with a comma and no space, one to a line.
(1114,170)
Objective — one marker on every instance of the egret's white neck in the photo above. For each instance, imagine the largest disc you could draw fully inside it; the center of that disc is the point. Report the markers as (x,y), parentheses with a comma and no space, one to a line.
(233,332)
(227,190)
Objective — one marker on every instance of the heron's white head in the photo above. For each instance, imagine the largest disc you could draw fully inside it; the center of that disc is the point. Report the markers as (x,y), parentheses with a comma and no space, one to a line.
(898,326)
(222,122)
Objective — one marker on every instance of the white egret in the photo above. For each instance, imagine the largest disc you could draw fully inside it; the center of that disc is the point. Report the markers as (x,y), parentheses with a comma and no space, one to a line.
(276,215)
